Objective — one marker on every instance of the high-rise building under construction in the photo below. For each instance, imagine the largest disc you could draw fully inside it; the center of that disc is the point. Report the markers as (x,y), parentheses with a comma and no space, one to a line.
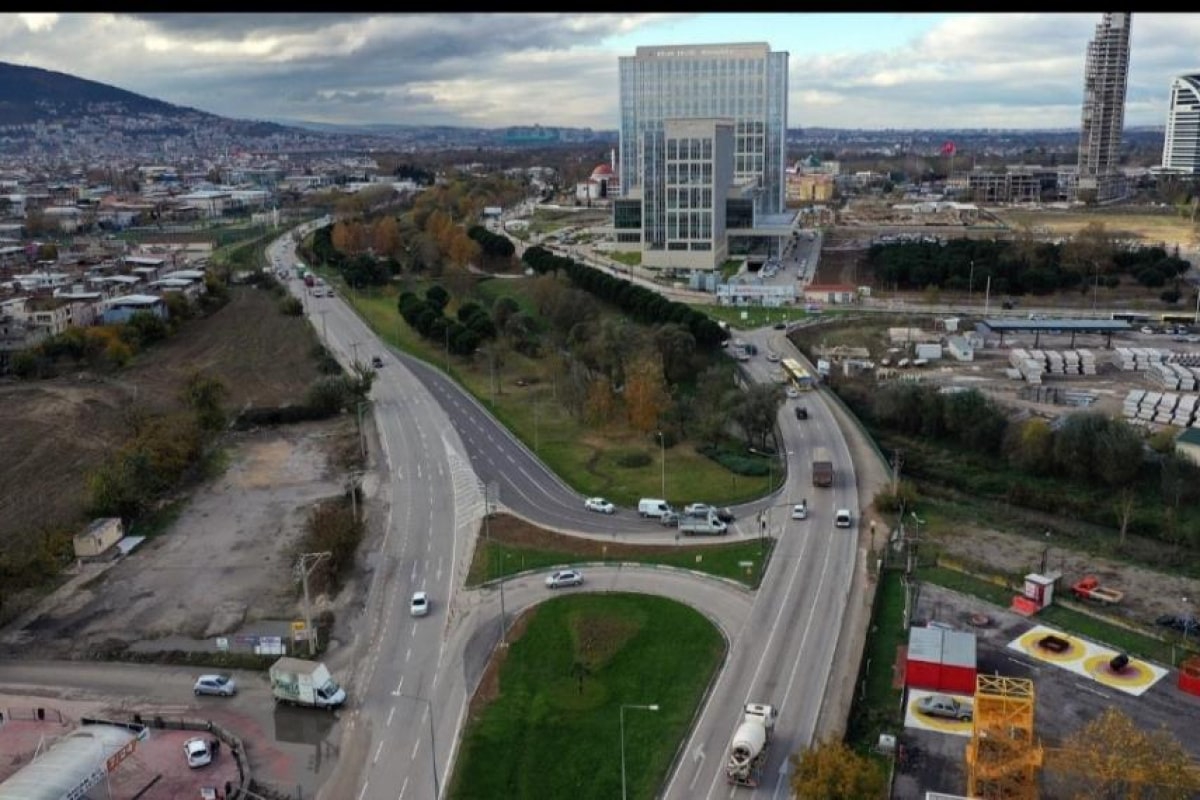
(1105,78)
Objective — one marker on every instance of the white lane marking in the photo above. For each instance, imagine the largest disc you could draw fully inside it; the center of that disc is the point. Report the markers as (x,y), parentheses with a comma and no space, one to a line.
(378,750)
(796,663)
(391,713)
(416,747)
(403,786)
(363,791)
(399,686)
(414,630)
(408,654)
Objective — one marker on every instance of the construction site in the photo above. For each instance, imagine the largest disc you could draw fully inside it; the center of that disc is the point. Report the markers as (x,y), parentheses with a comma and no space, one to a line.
(1028,690)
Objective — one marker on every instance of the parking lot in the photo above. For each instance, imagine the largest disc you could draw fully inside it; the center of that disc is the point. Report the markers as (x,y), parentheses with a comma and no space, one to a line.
(1064,700)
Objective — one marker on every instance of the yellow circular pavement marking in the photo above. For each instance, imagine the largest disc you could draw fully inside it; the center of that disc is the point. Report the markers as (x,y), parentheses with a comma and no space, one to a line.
(1135,673)
(1029,642)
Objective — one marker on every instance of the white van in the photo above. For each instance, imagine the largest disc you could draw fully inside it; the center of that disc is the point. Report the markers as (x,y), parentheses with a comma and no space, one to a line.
(652,507)
(842,518)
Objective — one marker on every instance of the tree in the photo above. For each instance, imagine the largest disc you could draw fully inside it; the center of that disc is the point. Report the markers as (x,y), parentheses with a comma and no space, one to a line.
(830,770)
(646,395)
(203,393)
(757,411)
(1110,758)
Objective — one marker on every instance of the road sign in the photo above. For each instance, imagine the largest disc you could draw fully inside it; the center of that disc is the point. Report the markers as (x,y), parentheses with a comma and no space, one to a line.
(223,644)
(746,564)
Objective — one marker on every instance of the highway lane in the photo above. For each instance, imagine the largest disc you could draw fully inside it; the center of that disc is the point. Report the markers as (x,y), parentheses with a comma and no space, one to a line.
(781,655)
(784,655)
(399,668)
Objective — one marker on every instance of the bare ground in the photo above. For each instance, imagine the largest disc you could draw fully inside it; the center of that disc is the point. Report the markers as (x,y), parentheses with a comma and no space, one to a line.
(225,563)
(54,431)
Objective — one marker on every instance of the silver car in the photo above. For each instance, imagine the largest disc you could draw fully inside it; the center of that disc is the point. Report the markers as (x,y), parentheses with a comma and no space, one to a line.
(565,577)
(221,685)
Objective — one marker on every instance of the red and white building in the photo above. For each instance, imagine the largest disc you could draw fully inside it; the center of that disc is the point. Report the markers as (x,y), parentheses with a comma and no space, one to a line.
(941,660)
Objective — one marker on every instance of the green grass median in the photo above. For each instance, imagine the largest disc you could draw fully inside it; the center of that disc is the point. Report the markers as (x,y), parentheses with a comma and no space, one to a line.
(546,719)
(510,545)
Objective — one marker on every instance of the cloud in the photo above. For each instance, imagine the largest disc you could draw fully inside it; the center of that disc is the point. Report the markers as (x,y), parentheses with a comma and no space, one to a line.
(961,70)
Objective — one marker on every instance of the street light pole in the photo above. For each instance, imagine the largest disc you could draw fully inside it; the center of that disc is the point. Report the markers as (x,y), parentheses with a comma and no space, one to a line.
(663,444)
(971,284)
(305,571)
(651,707)
(432,742)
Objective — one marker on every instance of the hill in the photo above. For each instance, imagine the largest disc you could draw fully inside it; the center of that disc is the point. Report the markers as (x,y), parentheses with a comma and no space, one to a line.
(31,94)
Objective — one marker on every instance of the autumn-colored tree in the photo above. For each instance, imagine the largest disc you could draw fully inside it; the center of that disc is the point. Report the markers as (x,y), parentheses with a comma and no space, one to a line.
(1110,758)
(830,770)
(646,395)
(385,237)
(341,237)
(601,404)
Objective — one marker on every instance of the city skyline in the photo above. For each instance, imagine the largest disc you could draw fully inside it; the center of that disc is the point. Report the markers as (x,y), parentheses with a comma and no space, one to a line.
(866,71)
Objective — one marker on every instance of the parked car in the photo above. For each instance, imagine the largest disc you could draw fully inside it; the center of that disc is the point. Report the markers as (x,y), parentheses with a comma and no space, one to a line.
(564,577)
(945,706)
(222,685)
(418,606)
(198,752)
(1185,625)
(599,504)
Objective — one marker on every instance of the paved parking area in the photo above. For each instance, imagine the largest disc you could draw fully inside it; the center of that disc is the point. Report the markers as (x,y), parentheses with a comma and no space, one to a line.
(156,770)
(1064,700)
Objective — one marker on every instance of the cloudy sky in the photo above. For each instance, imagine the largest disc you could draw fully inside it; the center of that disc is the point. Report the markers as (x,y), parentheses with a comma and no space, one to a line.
(491,70)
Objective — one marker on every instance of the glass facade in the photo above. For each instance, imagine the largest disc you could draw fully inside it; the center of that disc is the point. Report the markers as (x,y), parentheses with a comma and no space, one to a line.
(746,83)
(1181,148)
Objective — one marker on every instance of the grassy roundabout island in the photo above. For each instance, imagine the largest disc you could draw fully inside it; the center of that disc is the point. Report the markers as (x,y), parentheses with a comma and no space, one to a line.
(545,720)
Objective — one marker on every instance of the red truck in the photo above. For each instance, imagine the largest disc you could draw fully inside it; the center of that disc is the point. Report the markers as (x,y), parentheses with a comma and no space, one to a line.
(309,281)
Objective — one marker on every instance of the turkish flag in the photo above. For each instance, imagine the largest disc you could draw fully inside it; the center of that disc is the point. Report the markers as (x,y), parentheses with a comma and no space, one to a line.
(948,149)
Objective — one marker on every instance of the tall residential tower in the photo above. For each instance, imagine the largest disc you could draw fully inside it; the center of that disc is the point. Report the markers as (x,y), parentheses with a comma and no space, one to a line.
(700,125)
(1181,147)
(1105,78)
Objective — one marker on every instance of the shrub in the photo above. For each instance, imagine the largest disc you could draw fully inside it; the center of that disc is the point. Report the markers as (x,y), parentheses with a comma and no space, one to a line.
(737,463)
(327,396)
(291,306)
(633,459)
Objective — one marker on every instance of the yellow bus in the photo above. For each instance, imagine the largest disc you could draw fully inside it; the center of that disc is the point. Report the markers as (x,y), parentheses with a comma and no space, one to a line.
(797,375)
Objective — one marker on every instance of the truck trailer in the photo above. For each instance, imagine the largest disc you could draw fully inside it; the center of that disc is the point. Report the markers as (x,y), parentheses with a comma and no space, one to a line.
(750,745)
(297,682)
(822,467)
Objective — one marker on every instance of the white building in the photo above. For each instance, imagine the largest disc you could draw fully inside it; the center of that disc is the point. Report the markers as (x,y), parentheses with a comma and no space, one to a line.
(1181,147)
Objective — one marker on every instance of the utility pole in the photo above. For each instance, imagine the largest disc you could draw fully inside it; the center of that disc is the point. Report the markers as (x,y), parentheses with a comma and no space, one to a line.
(354,349)
(308,562)
(446,330)
(897,461)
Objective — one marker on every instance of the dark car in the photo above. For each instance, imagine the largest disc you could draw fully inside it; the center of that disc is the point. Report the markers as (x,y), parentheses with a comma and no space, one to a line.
(1185,625)
(725,515)
(376,362)
(780,326)
(801,412)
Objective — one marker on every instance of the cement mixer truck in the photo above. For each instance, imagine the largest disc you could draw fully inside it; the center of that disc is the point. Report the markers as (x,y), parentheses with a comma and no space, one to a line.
(751,741)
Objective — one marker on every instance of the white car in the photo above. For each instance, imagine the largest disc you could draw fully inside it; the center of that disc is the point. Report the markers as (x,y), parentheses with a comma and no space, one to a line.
(419,605)
(792,392)
(565,577)
(222,685)
(197,752)
(800,510)
(599,504)
(773,357)
(842,518)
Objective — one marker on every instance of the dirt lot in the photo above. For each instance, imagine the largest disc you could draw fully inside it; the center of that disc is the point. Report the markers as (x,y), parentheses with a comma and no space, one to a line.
(225,563)
(224,566)
(54,431)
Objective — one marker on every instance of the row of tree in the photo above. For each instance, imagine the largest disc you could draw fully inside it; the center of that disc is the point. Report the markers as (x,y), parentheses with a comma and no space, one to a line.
(496,251)
(427,316)
(641,304)
(1021,266)
(1151,489)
